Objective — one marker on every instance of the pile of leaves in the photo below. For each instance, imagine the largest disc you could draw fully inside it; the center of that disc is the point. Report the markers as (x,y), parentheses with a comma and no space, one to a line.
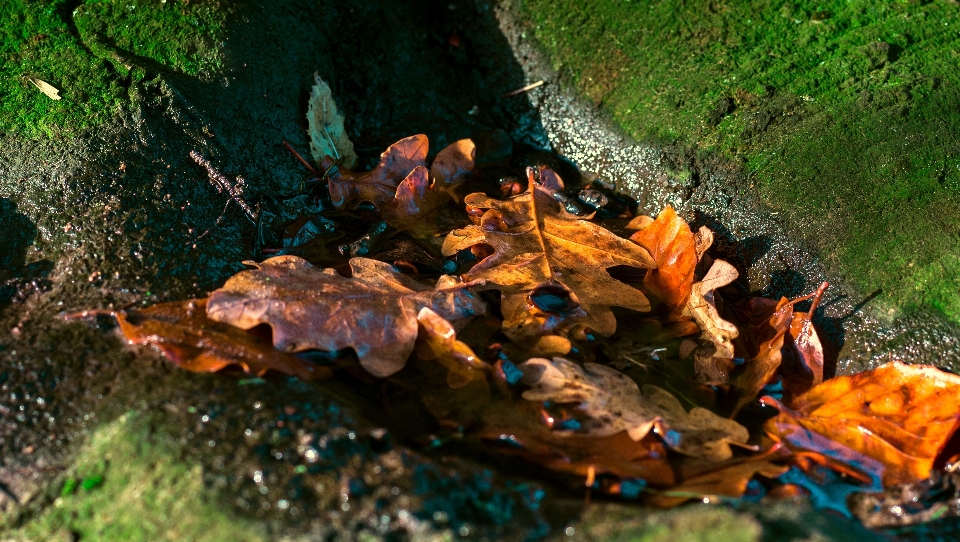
(549,323)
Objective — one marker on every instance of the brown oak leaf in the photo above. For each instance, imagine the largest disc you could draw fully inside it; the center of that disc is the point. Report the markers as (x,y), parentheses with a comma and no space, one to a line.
(185,336)
(890,422)
(764,324)
(374,311)
(702,307)
(612,402)
(539,248)
(378,186)
(437,340)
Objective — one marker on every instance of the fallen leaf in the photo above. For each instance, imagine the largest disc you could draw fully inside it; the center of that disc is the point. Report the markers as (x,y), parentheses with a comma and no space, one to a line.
(673,247)
(46,88)
(611,402)
(615,455)
(702,308)
(437,340)
(185,336)
(728,479)
(802,367)
(374,311)
(891,422)
(325,126)
(764,323)
(537,245)
(378,186)
(454,163)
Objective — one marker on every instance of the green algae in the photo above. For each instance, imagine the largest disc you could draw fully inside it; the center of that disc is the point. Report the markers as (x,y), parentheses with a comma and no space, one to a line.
(845,113)
(72,46)
(126,484)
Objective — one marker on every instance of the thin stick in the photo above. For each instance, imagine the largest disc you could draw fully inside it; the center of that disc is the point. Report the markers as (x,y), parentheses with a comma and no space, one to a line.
(222,184)
(301,159)
(521,90)
(223,215)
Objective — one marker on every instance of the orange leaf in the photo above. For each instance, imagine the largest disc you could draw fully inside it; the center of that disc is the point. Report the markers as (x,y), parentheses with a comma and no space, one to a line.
(437,340)
(673,246)
(892,421)
(184,334)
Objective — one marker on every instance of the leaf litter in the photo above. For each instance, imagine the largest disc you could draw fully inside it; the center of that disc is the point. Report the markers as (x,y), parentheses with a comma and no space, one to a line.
(505,303)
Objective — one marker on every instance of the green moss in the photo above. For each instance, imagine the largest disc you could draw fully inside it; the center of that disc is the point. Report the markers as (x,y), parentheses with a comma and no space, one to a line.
(65,43)
(127,485)
(846,111)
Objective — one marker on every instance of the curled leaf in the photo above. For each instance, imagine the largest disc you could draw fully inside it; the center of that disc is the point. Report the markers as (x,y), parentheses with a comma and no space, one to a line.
(325,125)
(803,360)
(765,322)
(437,340)
(702,308)
(374,311)
(185,336)
(891,422)
(378,186)
(673,247)
(611,402)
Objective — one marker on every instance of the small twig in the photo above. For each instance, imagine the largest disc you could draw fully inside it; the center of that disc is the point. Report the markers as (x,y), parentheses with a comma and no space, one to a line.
(222,184)
(521,90)
(301,159)
(223,215)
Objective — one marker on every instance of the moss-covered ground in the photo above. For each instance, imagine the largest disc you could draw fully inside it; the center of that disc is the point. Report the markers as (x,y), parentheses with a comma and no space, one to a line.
(846,114)
(127,484)
(71,45)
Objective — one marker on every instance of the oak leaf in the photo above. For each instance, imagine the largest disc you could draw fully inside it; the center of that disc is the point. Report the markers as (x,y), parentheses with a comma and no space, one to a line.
(536,245)
(374,311)
(674,248)
(437,340)
(611,402)
(802,366)
(378,186)
(185,336)
(891,421)
(702,307)
(764,323)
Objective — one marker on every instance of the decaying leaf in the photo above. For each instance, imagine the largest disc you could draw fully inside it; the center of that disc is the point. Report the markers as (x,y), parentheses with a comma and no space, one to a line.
(184,334)
(765,322)
(539,248)
(378,186)
(803,357)
(615,455)
(611,402)
(46,88)
(325,125)
(674,249)
(702,308)
(726,479)
(437,340)
(374,311)
(895,418)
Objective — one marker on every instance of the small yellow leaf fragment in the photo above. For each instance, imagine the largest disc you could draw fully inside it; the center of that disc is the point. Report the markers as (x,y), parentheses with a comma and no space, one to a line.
(46,88)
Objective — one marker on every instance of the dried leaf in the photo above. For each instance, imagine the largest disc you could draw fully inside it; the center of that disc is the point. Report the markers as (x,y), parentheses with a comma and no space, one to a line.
(374,311)
(437,340)
(895,419)
(46,88)
(325,126)
(673,247)
(378,186)
(184,334)
(702,308)
(803,360)
(611,402)
(764,324)
(615,455)
(703,240)
(536,246)
(728,479)
(454,163)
